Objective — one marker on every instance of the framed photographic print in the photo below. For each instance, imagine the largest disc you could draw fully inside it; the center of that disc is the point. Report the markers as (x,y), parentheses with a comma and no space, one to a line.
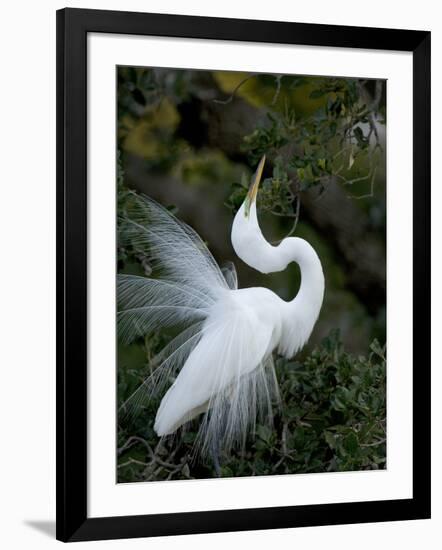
(243,273)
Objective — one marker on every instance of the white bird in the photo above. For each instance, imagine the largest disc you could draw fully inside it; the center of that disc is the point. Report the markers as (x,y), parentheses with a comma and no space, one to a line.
(220,362)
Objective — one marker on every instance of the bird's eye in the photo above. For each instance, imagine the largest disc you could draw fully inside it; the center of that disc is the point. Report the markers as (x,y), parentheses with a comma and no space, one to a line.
(247,204)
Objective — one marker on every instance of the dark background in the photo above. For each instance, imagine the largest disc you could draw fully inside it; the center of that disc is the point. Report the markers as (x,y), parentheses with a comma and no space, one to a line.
(191,140)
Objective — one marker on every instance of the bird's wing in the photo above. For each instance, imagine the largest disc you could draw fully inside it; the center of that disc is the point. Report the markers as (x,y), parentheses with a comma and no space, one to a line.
(164,369)
(145,305)
(228,374)
(175,250)
(187,283)
(230,275)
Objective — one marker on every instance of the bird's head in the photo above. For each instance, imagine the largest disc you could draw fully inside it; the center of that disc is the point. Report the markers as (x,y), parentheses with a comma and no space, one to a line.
(249,204)
(251,246)
(247,238)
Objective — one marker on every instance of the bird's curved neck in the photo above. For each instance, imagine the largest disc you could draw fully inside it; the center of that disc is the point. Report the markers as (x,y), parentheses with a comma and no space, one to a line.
(252,247)
(299,315)
(294,249)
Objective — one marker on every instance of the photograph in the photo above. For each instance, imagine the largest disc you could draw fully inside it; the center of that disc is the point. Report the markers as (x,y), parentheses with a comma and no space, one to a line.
(219,253)
(251,274)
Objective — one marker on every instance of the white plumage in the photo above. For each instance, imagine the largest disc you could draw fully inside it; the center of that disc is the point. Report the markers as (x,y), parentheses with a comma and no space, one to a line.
(221,359)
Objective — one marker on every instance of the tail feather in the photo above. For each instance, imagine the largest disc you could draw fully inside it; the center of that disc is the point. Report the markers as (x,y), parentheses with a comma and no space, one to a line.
(228,376)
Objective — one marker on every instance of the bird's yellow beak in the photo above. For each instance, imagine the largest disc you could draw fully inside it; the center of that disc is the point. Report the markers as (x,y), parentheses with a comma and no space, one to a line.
(253,191)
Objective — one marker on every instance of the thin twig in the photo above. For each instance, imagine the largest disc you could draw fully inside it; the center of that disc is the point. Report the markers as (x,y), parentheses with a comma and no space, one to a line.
(237,87)
(367,195)
(295,223)
(278,88)
(133,461)
(374,444)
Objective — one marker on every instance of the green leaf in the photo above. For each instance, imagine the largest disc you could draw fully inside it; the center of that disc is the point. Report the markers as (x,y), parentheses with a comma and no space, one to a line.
(351,443)
(322,163)
(264,432)
(330,439)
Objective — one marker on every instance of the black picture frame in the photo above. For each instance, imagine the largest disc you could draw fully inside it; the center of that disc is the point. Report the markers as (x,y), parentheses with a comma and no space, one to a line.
(73,25)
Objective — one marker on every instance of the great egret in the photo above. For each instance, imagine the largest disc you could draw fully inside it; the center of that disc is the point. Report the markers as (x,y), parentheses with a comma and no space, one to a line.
(221,360)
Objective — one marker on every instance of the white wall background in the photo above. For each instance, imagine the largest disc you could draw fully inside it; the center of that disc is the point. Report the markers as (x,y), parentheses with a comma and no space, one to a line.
(27,296)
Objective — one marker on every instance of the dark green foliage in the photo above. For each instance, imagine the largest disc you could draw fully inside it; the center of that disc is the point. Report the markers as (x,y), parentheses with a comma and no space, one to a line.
(328,143)
(332,418)
(275,195)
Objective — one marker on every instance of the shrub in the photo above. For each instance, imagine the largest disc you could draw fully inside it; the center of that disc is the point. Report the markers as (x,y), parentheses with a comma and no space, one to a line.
(332,417)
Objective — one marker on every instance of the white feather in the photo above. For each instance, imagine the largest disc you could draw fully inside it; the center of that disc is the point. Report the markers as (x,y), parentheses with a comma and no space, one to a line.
(220,364)
(224,374)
